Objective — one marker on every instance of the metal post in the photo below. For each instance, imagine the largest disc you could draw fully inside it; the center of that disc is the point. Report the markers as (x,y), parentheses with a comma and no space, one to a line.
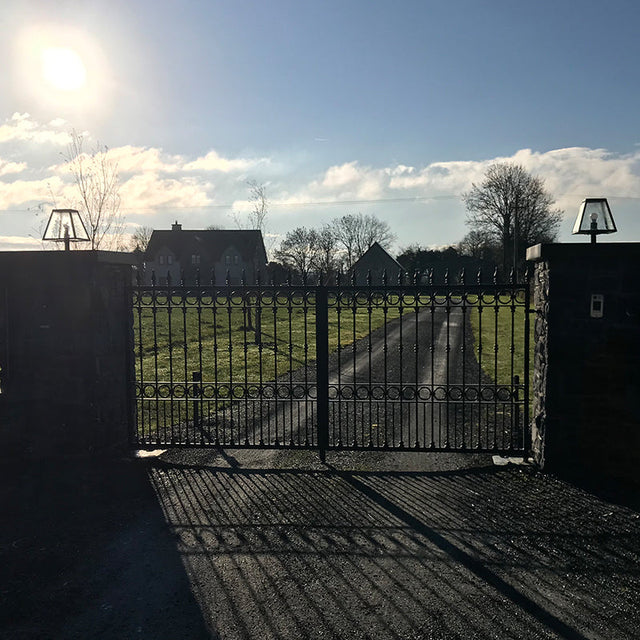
(527,332)
(322,369)
(196,377)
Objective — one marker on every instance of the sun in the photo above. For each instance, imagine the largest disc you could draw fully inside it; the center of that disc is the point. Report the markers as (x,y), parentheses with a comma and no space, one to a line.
(63,69)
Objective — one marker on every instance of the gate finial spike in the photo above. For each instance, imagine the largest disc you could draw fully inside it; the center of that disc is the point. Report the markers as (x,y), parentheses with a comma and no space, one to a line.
(228,278)
(463,277)
(258,277)
(198,277)
(511,275)
(430,275)
(243,279)
(213,276)
(495,275)
(384,277)
(479,278)
(353,276)
(153,278)
(446,275)
(168,278)
(400,277)
(369,277)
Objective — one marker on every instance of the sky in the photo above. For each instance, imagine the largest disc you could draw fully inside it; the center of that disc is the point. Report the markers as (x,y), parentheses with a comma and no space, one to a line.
(353,106)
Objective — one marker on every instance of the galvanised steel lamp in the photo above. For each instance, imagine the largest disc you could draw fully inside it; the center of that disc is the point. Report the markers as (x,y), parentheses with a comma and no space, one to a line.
(65,225)
(594,218)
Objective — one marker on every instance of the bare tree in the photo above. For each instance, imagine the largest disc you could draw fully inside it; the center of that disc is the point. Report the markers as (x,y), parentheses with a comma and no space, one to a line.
(479,244)
(512,208)
(326,256)
(258,197)
(356,233)
(257,217)
(98,191)
(299,250)
(140,238)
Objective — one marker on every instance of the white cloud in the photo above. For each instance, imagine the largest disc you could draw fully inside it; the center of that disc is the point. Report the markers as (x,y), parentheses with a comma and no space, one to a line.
(213,161)
(144,192)
(21,127)
(11,167)
(20,193)
(19,243)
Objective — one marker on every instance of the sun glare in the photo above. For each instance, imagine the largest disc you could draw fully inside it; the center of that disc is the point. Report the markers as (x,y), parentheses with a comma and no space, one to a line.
(63,69)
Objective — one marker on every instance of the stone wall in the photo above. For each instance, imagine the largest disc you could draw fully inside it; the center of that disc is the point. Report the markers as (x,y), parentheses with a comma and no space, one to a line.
(586,400)
(65,345)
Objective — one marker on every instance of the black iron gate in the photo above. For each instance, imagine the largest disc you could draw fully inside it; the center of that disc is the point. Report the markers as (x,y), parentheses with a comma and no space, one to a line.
(419,366)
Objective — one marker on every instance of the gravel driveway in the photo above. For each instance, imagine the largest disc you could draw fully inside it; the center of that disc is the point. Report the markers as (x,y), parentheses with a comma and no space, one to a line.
(196,544)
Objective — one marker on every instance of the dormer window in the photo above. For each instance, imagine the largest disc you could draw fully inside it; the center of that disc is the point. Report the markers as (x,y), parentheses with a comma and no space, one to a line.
(227,259)
(169,259)
(236,259)
(161,260)
(195,259)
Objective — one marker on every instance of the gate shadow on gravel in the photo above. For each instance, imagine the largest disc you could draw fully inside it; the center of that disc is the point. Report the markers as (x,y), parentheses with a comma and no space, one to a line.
(85,552)
(465,554)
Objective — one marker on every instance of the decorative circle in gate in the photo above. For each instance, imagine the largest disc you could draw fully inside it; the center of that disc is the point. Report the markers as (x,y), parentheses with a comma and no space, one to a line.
(377,392)
(224,391)
(346,392)
(299,391)
(504,394)
(393,393)
(424,393)
(283,391)
(440,393)
(471,393)
(164,390)
(408,393)
(238,391)
(268,391)
(455,393)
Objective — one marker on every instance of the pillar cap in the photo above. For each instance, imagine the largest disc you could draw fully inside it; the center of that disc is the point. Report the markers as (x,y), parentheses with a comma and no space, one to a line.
(579,250)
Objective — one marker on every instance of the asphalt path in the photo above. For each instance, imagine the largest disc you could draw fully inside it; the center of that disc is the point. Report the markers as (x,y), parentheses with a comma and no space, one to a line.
(400,387)
(413,383)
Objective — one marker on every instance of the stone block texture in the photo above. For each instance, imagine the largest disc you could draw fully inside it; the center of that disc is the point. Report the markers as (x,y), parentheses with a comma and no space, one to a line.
(586,380)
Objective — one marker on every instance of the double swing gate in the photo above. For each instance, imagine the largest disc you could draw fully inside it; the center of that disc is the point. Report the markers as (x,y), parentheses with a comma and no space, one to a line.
(419,366)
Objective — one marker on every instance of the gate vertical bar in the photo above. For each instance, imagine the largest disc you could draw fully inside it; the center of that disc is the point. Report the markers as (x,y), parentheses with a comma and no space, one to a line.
(322,369)
(527,445)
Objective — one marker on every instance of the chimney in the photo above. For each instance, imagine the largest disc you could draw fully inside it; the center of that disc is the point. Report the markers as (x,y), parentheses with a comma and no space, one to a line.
(176,226)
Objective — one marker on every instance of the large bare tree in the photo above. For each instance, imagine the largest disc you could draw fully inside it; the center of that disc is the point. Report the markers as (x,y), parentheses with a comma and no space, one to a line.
(512,208)
(97,192)
(357,232)
(299,250)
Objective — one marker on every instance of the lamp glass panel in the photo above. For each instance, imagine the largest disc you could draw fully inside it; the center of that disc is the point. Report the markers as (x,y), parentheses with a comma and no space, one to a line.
(594,210)
(63,222)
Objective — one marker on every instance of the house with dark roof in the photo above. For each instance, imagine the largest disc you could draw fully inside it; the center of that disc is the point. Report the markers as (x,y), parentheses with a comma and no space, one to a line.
(376,261)
(228,252)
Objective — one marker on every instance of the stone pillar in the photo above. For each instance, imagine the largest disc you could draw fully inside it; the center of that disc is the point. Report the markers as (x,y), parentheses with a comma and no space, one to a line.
(65,353)
(586,381)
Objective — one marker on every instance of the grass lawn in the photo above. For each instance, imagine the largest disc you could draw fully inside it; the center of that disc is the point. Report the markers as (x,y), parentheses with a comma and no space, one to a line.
(219,338)
(500,330)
